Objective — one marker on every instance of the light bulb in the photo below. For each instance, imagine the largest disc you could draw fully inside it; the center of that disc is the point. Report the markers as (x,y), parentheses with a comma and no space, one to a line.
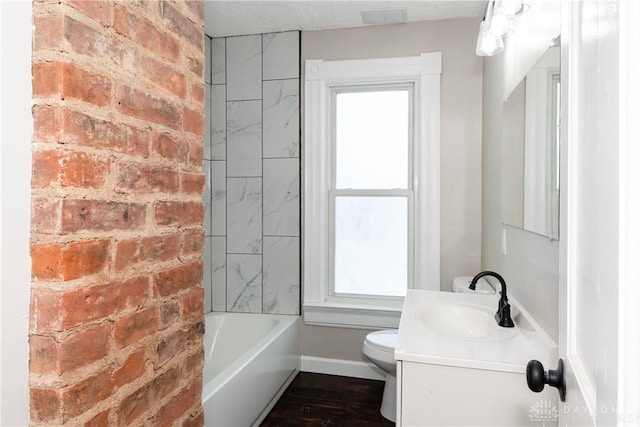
(488,43)
(499,24)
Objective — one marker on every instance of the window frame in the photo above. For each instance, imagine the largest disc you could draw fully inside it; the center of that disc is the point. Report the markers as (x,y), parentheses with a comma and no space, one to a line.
(321,79)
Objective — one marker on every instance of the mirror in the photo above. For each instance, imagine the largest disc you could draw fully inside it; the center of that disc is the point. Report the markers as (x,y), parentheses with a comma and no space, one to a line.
(530,149)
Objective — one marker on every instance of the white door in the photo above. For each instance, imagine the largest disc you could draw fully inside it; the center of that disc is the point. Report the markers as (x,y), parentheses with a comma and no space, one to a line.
(600,198)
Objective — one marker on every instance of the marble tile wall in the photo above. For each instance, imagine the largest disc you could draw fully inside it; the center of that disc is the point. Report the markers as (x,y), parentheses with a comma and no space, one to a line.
(252,163)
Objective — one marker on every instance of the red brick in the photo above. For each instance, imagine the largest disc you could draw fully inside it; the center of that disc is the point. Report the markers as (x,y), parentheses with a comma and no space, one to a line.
(50,29)
(43,354)
(46,261)
(88,41)
(145,106)
(101,215)
(131,369)
(45,306)
(45,168)
(145,178)
(84,347)
(135,327)
(87,393)
(68,168)
(147,396)
(46,78)
(196,7)
(193,121)
(195,362)
(193,303)
(146,34)
(102,301)
(45,215)
(98,10)
(179,213)
(170,148)
(196,66)
(56,261)
(169,313)
(166,77)
(192,183)
(197,92)
(196,420)
(138,141)
(148,249)
(46,406)
(46,124)
(176,279)
(125,70)
(84,258)
(193,242)
(100,420)
(85,85)
(179,404)
(86,130)
(83,170)
(169,347)
(192,32)
(196,153)
(64,80)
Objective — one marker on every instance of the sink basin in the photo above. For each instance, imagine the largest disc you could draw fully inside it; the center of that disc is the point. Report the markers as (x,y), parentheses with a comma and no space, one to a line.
(455,329)
(464,321)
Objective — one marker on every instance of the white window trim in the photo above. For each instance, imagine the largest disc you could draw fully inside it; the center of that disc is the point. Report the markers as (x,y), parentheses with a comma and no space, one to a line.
(320,77)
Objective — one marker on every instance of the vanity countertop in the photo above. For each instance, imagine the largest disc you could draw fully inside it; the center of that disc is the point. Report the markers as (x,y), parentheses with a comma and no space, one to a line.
(456,329)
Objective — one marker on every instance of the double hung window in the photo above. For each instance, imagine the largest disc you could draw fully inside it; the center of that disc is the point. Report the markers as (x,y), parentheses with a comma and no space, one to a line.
(371,199)
(371,194)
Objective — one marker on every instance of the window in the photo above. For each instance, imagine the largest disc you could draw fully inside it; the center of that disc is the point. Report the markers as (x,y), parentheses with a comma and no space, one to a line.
(370,192)
(371,204)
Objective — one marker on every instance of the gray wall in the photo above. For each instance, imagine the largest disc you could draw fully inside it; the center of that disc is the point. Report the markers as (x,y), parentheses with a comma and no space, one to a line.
(530,266)
(252,162)
(461,116)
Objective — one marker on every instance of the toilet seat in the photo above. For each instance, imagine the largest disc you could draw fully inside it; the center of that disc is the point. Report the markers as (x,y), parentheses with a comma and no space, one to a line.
(383,340)
(380,347)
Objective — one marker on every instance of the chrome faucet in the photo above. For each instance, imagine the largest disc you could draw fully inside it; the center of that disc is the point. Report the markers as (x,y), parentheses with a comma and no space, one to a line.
(503,315)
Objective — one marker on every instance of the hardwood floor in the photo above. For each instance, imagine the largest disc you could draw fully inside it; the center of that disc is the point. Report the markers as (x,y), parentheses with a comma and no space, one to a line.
(328,400)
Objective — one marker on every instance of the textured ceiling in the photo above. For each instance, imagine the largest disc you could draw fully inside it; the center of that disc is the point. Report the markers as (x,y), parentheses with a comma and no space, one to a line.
(239,17)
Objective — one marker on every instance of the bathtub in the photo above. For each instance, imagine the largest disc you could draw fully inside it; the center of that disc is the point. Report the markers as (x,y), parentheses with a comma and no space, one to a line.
(250,359)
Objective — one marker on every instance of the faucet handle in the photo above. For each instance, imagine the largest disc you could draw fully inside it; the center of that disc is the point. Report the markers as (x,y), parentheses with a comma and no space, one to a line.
(503,315)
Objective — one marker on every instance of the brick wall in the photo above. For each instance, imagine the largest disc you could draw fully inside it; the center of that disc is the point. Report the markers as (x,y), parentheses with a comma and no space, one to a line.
(117,241)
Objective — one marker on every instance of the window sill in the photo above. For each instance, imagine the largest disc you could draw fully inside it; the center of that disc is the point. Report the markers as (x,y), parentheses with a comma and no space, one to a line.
(342,315)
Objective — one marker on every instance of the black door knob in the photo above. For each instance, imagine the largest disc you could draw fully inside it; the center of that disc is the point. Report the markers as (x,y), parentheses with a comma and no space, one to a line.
(537,377)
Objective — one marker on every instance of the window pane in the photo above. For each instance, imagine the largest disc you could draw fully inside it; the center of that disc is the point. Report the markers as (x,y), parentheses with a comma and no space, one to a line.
(372,139)
(371,245)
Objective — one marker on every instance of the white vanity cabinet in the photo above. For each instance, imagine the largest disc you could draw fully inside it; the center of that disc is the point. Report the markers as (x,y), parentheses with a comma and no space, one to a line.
(449,375)
(439,395)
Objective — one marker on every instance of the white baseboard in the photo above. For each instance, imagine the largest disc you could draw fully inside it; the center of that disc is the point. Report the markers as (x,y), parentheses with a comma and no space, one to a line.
(345,368)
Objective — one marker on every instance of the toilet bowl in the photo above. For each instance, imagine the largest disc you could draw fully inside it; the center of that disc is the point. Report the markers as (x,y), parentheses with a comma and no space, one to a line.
(379,347)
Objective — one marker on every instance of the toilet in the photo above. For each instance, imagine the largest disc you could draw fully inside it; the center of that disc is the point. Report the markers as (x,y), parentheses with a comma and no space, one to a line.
(379,347)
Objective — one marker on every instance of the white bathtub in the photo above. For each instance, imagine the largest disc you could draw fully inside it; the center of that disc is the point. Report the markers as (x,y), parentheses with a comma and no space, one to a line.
(250,359)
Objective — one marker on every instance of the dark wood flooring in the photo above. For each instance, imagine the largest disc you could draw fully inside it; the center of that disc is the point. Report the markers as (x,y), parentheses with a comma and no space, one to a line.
(328,401)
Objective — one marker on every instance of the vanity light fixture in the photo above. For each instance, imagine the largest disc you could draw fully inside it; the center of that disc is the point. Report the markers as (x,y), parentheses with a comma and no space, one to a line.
(497,22)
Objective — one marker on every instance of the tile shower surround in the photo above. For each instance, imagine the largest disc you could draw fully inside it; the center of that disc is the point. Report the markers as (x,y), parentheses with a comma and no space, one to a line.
(252,163)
